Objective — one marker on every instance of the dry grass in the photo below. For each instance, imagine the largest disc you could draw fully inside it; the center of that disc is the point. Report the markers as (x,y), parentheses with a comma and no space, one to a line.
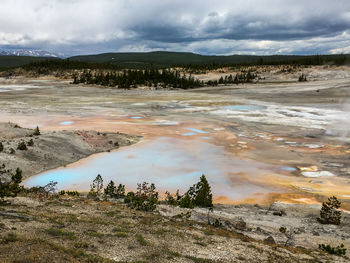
(77,230)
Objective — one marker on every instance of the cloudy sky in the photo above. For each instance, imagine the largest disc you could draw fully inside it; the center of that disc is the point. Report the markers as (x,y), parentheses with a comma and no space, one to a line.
(202,26)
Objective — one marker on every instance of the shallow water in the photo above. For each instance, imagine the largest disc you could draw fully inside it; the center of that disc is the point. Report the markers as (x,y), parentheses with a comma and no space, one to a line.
(170,163)
(196,130)
(66,122)
(244,107)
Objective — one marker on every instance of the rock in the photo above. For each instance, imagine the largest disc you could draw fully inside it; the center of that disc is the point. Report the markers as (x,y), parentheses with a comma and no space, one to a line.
(300,230)
(241,225)
(270,240)
(315,233)
(279,213)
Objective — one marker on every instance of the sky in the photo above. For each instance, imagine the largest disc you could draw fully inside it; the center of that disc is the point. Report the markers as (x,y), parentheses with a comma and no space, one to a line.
(220,27)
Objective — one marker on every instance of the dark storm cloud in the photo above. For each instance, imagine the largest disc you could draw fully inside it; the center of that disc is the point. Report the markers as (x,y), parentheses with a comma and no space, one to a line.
(211,27)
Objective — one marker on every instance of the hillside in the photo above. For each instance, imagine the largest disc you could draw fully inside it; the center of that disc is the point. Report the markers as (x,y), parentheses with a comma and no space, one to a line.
(180,58)
(168,59)
(17,61)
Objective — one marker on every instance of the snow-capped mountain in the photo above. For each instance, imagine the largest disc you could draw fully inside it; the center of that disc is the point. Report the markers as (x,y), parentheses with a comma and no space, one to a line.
(26,52)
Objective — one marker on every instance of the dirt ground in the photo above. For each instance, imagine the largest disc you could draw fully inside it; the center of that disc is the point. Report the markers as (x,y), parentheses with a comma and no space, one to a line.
(64,229)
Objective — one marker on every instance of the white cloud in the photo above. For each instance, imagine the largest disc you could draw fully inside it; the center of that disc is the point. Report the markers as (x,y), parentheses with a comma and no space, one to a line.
(218,27)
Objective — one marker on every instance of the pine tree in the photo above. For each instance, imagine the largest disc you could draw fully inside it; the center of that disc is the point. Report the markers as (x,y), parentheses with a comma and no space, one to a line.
(203,195)
(110,190)
(96,187)
(120,191)
(36,131)
(11,188)
(329,213)
(186,201)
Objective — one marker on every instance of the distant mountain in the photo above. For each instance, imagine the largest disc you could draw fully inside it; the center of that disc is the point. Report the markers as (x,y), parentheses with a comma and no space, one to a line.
(28,53)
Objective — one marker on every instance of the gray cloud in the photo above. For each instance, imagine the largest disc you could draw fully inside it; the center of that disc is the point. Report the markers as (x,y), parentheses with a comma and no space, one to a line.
(209,27)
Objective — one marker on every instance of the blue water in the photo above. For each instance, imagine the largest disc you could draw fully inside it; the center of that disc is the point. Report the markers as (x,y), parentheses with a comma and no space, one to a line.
(168,162)
(244,107)
(206,138)
(136,117)
(66,122)
(289,169)
(196,130)
(188,134)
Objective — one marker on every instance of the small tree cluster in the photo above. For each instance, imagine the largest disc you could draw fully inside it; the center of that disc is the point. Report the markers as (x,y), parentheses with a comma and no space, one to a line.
(198,195)
(243,77)
(1,147)
(69,193)
(145,198)
(338,250)
(12,187)
(329,213)
(112,191)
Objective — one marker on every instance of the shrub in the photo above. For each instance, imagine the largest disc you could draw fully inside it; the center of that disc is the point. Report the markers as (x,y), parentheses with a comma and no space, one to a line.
(96,187)
(339,250)
(169,199)
(1,147)
(11,188)
(142,241)
(72,193)
(69,193)
(329,213)
(36,131)
(30,143)
(56,232)
(129,197)
(302,78)
(10,237)
(22,146)
(145,198)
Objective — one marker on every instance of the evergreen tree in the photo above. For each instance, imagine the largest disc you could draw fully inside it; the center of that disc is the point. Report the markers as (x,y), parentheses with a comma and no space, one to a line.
(203,195)
(96,187)
(186,201)
(36,131)
(11,188)
(110,190)
(198,195)
(329,213)
(120,191)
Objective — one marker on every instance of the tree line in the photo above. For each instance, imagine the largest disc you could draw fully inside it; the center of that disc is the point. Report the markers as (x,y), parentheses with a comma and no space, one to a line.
(132,78)
(157,78)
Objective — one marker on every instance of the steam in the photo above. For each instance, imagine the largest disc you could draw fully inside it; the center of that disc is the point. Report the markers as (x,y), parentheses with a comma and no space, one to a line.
(340,125)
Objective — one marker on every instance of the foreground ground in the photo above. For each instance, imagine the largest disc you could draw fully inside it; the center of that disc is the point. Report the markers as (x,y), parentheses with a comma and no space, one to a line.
(56,229)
